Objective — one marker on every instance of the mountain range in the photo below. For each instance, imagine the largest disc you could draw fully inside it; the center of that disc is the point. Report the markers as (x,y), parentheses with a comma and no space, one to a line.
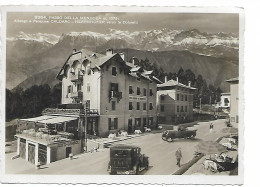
(36,58)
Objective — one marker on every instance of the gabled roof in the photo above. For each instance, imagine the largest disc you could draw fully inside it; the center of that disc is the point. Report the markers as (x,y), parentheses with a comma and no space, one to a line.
(174,83)
(97,60)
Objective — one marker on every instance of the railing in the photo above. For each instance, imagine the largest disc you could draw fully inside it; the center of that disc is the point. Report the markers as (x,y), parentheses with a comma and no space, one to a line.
(76,77)
(61,111)
(78,94)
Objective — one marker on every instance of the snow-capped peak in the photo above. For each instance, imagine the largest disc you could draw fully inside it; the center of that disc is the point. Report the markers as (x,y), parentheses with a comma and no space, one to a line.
(39,37)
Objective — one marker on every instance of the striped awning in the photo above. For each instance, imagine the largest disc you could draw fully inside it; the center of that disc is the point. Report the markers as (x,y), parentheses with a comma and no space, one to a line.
(40,118)
(58,119)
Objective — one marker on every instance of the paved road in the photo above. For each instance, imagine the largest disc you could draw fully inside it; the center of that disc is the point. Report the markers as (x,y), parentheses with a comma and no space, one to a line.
(161,155)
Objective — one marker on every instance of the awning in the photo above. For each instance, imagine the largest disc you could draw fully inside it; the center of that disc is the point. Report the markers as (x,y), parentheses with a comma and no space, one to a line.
(58,119)
(40,118)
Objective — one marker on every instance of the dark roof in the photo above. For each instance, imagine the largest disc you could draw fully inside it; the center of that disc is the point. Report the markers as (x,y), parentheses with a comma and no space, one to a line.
(123,146)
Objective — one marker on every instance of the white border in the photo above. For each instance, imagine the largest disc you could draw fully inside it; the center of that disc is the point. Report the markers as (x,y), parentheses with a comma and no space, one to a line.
(101,179)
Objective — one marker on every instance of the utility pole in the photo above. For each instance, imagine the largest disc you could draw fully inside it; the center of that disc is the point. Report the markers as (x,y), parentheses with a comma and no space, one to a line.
(210,100)
(86,122)
(200,104)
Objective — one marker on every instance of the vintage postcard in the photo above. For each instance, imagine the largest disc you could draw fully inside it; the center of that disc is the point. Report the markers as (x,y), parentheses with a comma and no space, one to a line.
(149,94)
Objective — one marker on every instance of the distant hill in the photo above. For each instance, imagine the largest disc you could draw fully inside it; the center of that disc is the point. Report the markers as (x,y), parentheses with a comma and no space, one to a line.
(214,70)
(214,56)
(45,77)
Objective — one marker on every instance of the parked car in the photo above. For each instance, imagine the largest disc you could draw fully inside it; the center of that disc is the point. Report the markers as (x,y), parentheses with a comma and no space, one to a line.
(127,159)
(170,135)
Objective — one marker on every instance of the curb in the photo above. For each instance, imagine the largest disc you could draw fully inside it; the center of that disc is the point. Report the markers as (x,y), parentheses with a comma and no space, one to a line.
(184,168)
(187,166)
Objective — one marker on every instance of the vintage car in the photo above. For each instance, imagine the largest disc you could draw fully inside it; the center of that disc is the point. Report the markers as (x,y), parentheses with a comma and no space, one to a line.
(170,135)
(127,160)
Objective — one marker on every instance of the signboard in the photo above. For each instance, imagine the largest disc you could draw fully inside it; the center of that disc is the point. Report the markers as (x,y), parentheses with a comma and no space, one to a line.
(136,98)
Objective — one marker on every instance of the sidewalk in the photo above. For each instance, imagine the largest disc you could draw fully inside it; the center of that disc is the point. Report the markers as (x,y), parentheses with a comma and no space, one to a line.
(198,167)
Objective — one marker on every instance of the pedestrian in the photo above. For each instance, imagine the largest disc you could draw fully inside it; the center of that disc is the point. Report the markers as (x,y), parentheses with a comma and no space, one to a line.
(211,127)
(178,156)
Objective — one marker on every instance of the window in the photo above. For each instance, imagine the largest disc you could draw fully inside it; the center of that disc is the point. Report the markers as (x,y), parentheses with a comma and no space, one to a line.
(88,87)
(182,97)
(144,106)
(186,109)
(150,106)
(113,105)
(114,87)
(138,91)
(112,123)
(151,92)
(137,106)
(131,90)
(186,98)
(114,71)
(144,91)
(162,97)
(178,97)
(70,89)
(78,87)
(181,108)
(130,106)
(162,108)
(178,109)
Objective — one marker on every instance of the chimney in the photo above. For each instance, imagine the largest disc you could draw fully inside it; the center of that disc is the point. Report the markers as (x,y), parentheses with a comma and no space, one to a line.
(177,79)
(122,56)
(189,83)
(165,79)
(74,51)
(109,52)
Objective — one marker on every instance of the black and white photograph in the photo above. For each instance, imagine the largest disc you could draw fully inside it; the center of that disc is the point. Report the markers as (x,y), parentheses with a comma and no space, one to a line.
(92,92)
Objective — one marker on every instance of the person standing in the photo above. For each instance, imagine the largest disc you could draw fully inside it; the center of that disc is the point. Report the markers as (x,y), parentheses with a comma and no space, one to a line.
(178,156)
(211,127)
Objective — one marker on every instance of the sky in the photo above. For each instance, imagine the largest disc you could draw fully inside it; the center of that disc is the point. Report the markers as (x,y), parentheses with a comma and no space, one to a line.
(204,22)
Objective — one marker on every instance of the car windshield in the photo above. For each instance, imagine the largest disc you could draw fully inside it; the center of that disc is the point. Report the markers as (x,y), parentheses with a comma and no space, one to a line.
(120,153)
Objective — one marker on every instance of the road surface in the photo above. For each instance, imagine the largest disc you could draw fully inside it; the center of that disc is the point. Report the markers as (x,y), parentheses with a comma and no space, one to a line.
(161,155)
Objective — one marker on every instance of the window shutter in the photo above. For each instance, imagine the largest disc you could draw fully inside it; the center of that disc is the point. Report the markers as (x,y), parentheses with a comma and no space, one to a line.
(109,123)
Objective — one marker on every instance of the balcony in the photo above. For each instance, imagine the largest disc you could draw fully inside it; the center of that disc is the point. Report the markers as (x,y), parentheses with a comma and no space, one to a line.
(115,94)
(78,95)
(76,78)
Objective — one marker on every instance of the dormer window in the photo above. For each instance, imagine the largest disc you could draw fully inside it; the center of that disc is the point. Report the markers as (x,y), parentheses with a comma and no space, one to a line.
(114,71)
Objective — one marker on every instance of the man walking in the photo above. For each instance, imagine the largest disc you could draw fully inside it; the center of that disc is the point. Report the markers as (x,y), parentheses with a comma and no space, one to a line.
(178,157)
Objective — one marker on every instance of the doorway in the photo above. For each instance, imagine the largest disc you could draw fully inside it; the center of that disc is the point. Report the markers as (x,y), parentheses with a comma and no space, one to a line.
(129,126)
(68,151)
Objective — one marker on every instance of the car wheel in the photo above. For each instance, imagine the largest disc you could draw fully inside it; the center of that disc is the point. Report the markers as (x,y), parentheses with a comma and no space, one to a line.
(113,172)
(192,137)
(137,170)
(169,139)
(147,165)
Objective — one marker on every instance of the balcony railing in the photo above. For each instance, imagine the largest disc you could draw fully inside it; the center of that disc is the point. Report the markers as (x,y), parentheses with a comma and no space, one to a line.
(77,94)
(115,94)
(76,78)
